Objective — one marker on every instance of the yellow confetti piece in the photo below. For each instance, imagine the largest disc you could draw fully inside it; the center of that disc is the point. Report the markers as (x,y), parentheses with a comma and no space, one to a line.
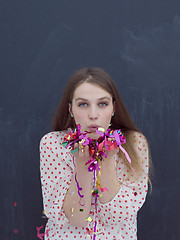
(82,140)
(81,143)
(120,183)
(89,219)
(98,179)
(101,129)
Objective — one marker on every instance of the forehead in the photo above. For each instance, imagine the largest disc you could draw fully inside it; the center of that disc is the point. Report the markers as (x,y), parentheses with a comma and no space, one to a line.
(88,90)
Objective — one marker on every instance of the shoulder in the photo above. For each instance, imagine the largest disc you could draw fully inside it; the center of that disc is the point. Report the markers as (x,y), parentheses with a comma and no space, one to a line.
(52,142)
(140,151)
(138,142)
(53,138)
(137,138)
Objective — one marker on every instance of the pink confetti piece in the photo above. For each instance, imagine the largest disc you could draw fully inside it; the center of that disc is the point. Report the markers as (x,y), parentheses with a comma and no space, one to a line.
(41,235)
(104,189)
(126,154)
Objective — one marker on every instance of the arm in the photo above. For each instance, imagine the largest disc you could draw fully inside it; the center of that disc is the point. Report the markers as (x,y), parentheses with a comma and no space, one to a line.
(109,178)
(131,194)
(55,178)
(77,209)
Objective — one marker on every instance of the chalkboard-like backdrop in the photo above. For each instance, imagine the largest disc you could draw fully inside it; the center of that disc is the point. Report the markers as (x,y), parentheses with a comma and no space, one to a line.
(42,43)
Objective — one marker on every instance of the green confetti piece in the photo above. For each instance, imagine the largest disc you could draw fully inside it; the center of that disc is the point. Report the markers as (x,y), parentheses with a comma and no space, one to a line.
(75,150)
(64,144)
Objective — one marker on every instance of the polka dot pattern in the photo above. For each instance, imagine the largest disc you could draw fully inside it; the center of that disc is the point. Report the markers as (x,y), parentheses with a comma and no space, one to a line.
(116,219)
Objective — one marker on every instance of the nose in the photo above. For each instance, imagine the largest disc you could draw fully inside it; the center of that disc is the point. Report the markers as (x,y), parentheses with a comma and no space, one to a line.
(93,113)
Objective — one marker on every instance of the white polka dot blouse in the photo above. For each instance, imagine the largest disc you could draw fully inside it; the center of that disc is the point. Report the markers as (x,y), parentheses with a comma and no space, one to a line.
(116,220)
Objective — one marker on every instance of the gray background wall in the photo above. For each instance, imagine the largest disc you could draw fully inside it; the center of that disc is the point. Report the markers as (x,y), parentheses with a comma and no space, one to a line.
(41,44)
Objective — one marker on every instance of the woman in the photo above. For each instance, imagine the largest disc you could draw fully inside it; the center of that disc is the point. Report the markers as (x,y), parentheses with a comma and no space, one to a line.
(92,100)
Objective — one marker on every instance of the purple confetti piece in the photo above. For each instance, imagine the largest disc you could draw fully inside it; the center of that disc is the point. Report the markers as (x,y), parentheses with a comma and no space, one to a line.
(79,188)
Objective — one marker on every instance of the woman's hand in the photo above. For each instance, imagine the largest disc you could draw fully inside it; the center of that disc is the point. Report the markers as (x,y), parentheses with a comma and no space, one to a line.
(81,156)
(113,148)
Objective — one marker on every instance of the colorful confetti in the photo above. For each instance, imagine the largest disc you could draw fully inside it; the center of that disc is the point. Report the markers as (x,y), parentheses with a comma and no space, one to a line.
(107,141)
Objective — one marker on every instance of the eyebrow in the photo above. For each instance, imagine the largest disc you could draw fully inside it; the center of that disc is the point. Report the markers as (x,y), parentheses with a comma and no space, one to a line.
(99,99)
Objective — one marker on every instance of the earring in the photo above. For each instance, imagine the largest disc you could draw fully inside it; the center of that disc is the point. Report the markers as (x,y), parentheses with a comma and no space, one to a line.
(112,114)
(72,115)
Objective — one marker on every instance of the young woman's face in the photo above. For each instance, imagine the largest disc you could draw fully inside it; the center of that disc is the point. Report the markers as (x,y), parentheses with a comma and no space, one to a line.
(92,107)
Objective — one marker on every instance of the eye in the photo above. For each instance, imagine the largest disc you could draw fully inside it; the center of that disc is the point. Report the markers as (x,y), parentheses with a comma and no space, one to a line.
(82,104)
(103,104)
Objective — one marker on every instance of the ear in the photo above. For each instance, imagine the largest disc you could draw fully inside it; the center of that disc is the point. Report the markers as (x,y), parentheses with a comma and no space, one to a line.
(114,107)
(70,108)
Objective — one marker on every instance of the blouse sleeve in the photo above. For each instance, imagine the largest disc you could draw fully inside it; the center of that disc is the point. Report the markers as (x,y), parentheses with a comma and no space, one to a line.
(55,178)
(132,194)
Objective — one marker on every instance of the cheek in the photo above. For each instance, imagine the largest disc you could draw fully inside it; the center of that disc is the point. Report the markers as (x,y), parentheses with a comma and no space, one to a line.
(79,117)
(106,118)
(107,114)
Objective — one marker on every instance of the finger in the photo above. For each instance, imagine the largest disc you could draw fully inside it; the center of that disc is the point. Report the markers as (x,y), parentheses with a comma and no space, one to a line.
(81,149)
(75,145)
(75,150)
(86,151)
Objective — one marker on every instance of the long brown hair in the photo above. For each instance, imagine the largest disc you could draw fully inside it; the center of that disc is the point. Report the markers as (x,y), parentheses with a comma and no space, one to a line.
(97,76)
(121,119)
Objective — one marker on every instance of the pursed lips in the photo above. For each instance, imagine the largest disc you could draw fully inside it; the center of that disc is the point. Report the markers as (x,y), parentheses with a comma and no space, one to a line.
(93,127)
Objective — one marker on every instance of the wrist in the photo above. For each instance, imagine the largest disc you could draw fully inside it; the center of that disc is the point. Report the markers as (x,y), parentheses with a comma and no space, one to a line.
(82,172)
(109,161)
